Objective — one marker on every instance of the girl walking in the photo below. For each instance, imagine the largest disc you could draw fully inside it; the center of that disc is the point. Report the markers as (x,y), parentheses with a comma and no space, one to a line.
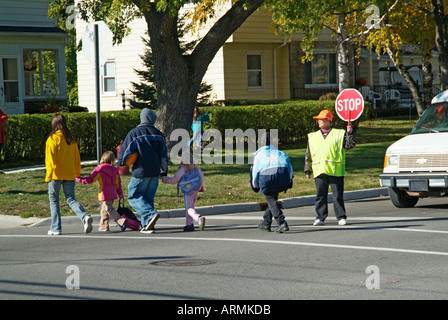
(190,179)
(196,127)
(109,182)
(63,165)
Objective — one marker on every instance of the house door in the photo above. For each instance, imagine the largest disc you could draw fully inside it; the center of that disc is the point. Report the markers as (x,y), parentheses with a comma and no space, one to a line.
(10,100)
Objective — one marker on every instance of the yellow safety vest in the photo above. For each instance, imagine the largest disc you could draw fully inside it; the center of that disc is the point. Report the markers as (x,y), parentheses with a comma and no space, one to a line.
(327,155)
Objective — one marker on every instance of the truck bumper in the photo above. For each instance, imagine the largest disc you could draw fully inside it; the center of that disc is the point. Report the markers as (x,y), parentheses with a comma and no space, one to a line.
(420,182)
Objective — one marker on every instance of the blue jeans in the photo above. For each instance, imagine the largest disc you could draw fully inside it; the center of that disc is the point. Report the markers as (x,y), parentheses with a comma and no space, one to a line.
(68,186)
(197,137)
(141,193)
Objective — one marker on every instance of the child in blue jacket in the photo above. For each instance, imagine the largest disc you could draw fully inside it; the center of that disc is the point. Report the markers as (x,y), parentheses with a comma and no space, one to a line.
(271,173)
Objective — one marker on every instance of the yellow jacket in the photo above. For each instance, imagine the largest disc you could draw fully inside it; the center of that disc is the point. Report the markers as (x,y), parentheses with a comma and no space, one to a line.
(62,161)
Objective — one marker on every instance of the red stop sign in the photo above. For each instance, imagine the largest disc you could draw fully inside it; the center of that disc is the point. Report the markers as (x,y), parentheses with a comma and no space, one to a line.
(349,104)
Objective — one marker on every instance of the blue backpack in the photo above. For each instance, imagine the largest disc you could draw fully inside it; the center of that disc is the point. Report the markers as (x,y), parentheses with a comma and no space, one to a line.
(189,183)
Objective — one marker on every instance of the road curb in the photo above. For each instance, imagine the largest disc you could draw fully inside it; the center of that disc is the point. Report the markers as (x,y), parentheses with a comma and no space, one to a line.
(287,203)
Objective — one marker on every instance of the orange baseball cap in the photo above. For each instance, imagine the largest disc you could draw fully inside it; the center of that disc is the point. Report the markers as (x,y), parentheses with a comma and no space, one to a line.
(324,114)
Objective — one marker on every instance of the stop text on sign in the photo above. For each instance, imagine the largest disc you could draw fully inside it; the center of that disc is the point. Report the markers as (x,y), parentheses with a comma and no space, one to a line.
(349,104)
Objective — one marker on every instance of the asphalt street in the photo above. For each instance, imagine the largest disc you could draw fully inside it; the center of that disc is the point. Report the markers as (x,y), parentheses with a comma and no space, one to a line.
(383,253)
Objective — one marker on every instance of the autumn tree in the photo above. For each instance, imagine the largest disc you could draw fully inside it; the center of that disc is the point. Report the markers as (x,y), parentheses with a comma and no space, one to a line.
(310,18)
(412,26)
(178,75)
(438,11)
(394,34)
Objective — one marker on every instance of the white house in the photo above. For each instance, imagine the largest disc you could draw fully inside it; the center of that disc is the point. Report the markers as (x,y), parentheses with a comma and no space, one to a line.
(32,56)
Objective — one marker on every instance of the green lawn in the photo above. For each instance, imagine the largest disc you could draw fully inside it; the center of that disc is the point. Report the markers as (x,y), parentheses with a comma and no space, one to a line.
(25,194)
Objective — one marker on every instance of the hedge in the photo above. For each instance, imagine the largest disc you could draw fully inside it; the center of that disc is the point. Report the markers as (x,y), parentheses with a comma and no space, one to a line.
(26,134)
(293,119)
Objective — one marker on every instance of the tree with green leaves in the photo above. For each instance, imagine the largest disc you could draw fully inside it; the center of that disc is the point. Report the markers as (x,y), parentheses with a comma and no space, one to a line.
(177,75)
(416,25)
(310,18)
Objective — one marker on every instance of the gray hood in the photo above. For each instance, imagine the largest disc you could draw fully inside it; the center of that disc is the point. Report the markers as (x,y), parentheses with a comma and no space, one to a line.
(147,117)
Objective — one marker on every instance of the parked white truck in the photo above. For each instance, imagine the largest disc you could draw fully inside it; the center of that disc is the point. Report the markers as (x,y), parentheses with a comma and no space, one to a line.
(416,166)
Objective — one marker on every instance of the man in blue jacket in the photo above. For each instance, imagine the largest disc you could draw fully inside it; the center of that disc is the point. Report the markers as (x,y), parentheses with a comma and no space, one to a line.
(148,143)
(271,173)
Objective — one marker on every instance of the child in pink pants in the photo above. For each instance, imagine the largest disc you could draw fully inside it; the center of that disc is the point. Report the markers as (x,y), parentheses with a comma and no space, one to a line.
(189,200)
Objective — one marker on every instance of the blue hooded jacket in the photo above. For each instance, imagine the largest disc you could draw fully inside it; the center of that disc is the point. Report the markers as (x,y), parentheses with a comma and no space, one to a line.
(149,143)
(271,171)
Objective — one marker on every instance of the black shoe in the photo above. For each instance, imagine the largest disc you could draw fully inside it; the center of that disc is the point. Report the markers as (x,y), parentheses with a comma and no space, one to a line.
(264,227)
(282,227)
(123,226)
(189,228)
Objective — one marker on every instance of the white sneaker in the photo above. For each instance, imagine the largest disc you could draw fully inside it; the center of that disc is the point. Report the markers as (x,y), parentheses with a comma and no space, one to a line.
(342,222)
(318,222)
(152,222)
(147,231)
(88,224)
(54,233)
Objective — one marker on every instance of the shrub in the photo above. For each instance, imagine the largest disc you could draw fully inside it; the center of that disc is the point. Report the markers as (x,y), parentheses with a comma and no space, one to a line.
(26,134)
(293,119)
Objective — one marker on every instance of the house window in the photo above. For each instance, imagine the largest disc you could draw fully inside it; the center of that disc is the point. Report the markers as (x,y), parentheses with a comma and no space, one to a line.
(109,78)
(254,71)
(322,70)
(40,72)
(10,80)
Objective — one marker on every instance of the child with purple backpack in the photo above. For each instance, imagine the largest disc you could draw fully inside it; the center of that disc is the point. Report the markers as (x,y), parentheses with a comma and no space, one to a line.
(190,180)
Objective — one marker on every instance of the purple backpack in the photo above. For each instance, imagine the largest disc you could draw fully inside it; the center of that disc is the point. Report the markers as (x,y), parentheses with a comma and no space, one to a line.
(132,221)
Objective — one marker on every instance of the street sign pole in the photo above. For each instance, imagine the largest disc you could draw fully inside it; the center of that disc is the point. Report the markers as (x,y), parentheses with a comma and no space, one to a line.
(97,45)
(98,96)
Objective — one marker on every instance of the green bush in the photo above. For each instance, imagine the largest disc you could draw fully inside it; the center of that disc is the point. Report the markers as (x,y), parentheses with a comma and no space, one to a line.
(26,134)
(293,119)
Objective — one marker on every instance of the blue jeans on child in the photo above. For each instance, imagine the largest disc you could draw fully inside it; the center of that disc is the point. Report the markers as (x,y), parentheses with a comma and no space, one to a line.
(141,193)
(68,186)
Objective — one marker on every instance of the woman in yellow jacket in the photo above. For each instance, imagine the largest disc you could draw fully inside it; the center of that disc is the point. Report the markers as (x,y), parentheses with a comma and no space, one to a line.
(63,165)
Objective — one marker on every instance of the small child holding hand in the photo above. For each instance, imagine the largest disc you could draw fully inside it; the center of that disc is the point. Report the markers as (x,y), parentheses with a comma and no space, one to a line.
(191,172)
(109,187)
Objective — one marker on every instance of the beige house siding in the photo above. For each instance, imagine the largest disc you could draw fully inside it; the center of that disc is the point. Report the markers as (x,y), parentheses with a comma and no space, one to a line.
(215,76)
(235,71)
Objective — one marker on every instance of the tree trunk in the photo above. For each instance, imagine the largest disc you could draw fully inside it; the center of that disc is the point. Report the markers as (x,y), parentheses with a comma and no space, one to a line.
(413,87)
(177,76)
(345,54)
(441,21)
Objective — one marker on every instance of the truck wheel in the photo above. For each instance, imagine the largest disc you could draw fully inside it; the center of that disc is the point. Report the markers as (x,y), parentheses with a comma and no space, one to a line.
(400,199)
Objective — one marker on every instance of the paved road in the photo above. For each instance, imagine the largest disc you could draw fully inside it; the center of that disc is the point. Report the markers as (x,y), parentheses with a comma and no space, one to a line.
(384,253)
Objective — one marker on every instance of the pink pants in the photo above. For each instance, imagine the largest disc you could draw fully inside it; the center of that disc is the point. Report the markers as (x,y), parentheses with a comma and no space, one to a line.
(190,213)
